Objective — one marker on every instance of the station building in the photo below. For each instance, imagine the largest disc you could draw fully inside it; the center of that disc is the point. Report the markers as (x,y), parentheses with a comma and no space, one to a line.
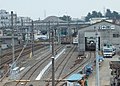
(107,32)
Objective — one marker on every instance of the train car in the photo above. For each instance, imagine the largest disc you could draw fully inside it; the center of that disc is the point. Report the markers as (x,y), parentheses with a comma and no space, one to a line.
(75,40)
(91,45)
(107,51)
(65,40)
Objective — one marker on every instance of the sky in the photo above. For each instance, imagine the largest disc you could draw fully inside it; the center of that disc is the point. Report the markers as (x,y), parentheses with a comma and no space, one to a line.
(36,9)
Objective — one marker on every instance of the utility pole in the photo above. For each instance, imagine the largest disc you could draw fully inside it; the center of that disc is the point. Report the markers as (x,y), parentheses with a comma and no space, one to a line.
(69,32)
(0,51)
(49,31)
(97,61)
(49,35)
(13,49)
(32,33)
(53,73)
(59,33)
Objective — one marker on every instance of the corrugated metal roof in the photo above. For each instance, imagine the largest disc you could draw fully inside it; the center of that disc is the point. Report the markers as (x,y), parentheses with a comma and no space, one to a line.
(75,77)
(115,64)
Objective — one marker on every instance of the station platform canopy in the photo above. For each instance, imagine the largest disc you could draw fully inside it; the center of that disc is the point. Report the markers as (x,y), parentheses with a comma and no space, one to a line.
(75,77)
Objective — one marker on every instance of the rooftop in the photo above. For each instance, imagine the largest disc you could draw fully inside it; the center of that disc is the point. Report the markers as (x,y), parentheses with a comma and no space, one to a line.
(53,19)
(115,64)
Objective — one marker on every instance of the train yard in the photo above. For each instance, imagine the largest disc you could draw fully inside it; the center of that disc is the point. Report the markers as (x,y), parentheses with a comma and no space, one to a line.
(7,57)
(37,70)
(67,62)
(33,64)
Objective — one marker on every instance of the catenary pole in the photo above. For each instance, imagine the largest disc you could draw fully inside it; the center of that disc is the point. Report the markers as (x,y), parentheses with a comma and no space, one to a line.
(53,74)
(97,61)
(13,49)
(32,38)
(49,31)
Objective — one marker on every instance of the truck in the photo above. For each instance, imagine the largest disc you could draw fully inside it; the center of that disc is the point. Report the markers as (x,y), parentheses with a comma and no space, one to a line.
(107,51)
(114,50)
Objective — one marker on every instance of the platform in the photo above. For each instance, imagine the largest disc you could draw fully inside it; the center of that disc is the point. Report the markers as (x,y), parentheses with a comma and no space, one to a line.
(105,73)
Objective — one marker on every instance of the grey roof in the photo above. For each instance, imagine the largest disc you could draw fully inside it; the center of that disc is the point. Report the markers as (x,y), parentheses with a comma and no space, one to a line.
(115,64)
(52,19)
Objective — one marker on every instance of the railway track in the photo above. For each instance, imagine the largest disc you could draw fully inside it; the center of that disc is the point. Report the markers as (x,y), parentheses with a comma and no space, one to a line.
(83,62)
(62,75)
(7,58)
(64,60)
(30,72)
(23,56)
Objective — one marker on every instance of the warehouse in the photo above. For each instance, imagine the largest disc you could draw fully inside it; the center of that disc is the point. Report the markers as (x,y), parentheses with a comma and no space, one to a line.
(107,33)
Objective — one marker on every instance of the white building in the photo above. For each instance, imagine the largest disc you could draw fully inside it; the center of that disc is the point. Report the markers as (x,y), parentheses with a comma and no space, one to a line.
(5,18)
(24,21)
(21,33)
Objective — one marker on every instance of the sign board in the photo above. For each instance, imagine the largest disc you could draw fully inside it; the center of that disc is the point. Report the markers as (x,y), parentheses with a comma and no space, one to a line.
(104,27)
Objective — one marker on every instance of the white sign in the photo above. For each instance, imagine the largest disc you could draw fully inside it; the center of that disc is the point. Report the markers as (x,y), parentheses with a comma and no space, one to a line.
(104,27)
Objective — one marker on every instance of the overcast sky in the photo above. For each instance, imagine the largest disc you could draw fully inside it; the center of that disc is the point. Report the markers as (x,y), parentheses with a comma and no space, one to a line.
(43,8)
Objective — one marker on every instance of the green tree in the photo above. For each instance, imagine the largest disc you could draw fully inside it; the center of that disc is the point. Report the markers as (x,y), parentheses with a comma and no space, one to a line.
(94,14)
(88,16)
(115,15)
(99,14)
(108,14)
(65,18)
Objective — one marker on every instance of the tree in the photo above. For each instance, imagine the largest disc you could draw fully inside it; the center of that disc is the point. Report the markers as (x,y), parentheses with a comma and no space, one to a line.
(88,16)
(115,15)
(65,18)
(99,14)
(94,14)
(108,14)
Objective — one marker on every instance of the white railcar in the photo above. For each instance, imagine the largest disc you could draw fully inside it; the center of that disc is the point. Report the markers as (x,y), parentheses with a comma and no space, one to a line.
(75,40)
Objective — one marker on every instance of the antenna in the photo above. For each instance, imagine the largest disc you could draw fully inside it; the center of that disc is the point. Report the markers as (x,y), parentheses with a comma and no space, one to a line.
(44,13)
(104,11)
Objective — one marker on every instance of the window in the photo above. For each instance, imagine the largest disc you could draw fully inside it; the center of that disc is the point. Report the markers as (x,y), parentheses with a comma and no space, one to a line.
(115,35)
(2,17)
(108,27)
(1,22)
